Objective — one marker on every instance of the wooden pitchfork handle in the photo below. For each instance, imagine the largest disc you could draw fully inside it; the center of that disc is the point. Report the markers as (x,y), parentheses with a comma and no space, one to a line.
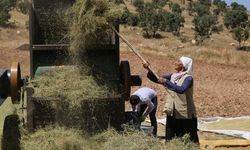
(134,50)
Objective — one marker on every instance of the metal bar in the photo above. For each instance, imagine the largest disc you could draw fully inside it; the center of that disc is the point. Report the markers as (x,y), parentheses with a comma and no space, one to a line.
(30,109)
(137,53)
(31,34)
(117,97)
(50,47)
(46,99)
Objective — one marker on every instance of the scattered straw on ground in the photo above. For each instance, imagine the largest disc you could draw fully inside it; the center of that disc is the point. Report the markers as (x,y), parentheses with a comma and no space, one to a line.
(54,139)
(62,138)
(132,140)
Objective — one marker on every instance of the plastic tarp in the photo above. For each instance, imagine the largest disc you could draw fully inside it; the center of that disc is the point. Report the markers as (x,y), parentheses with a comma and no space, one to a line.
(238,126)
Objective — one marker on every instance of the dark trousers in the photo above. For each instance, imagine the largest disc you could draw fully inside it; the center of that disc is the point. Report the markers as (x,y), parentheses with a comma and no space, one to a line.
(179,127)
(142,108)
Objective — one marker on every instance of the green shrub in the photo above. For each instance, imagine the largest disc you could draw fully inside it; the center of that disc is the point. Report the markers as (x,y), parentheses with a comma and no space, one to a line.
(236,6)
(138,3)
(203,26)
(240,35)
(133,19)
(221,5)
(176,8)
(5,7)
(125,16)
(150,19)
(4,17)
(23,6)
(205,2)
(201,9)
(171,22)
(160,3)
(235,18)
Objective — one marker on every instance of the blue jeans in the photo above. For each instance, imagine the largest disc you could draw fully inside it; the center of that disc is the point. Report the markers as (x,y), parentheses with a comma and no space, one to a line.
(142,108)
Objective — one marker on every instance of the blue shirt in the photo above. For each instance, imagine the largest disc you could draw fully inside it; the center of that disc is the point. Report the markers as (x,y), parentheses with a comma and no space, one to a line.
(188,82)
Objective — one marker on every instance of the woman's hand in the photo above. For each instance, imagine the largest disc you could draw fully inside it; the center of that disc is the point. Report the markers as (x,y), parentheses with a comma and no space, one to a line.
(146,65)
(162,80)
(143,117)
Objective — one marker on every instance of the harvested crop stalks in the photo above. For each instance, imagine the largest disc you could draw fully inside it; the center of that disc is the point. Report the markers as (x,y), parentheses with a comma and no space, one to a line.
(71,84)
(54,138)
(89,25)
(63,139)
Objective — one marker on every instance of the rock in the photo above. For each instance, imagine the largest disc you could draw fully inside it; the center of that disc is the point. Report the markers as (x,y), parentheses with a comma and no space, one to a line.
(193,41)
(232,44)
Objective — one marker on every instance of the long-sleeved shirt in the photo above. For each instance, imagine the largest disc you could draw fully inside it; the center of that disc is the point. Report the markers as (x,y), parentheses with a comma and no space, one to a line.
(146,95)
(172,86)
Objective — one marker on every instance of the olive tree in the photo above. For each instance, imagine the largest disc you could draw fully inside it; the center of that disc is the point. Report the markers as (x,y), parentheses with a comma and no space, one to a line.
(240,35)
(5,7)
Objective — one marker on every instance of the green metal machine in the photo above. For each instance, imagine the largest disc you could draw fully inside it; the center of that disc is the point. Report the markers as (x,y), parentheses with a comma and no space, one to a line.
(48,49)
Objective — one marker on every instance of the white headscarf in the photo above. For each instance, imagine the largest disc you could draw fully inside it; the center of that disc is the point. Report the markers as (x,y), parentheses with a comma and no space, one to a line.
(188,64)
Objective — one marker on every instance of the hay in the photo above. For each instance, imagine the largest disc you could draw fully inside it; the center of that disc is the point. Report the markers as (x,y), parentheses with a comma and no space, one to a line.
(54,139)
(62,138)
(133,140)
(71,84)
(89,25)
(128,140)
(53,24)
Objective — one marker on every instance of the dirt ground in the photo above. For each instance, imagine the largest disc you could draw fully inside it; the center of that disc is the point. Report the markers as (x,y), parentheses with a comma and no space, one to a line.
(219,90)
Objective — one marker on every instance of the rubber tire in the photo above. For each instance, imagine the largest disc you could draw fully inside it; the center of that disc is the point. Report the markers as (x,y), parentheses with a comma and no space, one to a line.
(11,133)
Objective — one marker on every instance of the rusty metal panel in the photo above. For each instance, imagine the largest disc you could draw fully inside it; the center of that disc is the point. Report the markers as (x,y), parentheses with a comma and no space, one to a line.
(95,114)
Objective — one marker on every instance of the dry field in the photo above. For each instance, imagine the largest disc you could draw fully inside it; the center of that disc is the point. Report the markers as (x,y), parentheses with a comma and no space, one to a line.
(221,73)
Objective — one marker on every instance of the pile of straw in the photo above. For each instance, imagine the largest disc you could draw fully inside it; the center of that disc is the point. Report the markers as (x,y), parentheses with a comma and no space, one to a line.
(64,139)
(54,139)
(90,24)
(71,84)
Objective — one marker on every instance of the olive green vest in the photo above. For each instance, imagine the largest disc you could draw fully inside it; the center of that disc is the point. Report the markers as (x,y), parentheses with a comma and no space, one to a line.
(180,105)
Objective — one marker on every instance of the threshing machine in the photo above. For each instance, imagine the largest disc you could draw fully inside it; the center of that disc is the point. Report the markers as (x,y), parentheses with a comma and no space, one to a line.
(49,49)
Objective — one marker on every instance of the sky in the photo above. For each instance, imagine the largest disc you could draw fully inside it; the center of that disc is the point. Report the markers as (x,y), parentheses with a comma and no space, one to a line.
(246,3)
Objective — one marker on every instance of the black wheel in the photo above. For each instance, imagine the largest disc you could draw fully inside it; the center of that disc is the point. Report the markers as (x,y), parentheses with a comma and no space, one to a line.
(125,79)
(11,133)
